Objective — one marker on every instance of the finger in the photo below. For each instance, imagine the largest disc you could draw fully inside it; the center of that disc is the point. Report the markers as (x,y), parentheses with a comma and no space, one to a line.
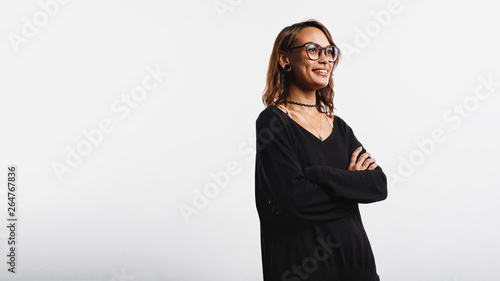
(361,161)
(364,156)
(373,166)
(354,156)
(367,162)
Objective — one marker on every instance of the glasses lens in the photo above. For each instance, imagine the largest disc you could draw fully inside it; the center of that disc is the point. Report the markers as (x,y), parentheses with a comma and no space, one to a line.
(313,51)
(331,53)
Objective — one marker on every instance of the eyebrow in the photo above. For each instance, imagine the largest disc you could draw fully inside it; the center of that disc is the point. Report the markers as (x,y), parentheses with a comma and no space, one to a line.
(317,43)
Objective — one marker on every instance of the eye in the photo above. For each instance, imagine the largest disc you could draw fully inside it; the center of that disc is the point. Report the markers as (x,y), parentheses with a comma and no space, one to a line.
(312,49)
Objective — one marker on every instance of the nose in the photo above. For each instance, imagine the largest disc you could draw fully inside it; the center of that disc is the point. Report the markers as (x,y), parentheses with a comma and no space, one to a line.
(322,56)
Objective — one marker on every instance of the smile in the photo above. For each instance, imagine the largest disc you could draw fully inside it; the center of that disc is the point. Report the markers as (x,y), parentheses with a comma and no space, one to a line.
(321,70)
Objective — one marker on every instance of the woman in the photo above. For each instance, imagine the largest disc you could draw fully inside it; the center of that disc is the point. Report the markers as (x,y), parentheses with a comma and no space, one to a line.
(311,171)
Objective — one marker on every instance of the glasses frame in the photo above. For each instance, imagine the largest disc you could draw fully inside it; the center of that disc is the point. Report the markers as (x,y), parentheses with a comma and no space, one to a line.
(322,50)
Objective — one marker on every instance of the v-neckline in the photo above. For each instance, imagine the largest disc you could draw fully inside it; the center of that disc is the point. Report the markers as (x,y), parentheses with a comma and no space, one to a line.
(307,131)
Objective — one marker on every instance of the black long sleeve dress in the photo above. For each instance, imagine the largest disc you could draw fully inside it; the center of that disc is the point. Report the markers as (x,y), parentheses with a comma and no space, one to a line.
(320,235)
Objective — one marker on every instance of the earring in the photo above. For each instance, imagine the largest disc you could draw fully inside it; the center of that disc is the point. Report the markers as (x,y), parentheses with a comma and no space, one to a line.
(287,67)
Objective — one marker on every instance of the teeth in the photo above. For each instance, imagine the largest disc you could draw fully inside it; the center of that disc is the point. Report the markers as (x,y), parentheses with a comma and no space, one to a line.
(321,70)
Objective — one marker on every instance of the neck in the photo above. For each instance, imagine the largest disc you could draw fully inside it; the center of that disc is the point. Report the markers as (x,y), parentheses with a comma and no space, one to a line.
(302,96)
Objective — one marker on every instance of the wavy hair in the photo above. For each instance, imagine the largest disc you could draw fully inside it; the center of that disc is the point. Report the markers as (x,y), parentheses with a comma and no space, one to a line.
(277,82)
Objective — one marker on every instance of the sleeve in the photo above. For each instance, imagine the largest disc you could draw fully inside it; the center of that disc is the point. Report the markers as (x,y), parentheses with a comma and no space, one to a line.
(366,186)
(282,178)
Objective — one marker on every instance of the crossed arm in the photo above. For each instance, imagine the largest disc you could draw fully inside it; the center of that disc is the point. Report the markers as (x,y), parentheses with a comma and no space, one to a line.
(307,193)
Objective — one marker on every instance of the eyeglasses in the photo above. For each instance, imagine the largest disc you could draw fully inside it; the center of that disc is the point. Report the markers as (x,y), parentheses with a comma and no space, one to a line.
(314,51)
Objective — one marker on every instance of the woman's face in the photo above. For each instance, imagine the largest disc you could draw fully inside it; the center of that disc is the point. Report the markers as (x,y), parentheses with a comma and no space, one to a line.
(308,74)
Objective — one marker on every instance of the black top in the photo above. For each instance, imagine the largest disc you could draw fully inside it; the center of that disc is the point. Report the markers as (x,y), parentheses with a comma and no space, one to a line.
(319,236)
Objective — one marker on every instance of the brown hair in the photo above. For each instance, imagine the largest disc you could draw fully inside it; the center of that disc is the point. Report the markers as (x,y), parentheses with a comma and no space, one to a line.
(276,91)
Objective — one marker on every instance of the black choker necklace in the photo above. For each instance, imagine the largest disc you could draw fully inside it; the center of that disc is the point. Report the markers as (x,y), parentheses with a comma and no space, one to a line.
(298,103)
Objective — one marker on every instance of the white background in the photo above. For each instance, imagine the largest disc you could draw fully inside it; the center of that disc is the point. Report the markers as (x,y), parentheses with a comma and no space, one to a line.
(406,69)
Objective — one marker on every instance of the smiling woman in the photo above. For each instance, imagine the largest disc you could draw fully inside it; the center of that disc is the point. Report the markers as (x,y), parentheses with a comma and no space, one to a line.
(311,171)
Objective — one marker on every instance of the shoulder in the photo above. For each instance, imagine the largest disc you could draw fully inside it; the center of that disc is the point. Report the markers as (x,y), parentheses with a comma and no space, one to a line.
(339,119)
(342,125)
(272,115)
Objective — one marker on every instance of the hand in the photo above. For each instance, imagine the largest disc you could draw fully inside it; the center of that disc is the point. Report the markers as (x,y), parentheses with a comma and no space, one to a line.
(275,209)
(362,163)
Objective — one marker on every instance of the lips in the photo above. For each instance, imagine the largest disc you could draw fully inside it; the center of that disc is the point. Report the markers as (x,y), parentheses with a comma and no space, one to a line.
(321,71)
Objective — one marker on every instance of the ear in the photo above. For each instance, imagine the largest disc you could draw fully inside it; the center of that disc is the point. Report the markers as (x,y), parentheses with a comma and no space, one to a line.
(282,59)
